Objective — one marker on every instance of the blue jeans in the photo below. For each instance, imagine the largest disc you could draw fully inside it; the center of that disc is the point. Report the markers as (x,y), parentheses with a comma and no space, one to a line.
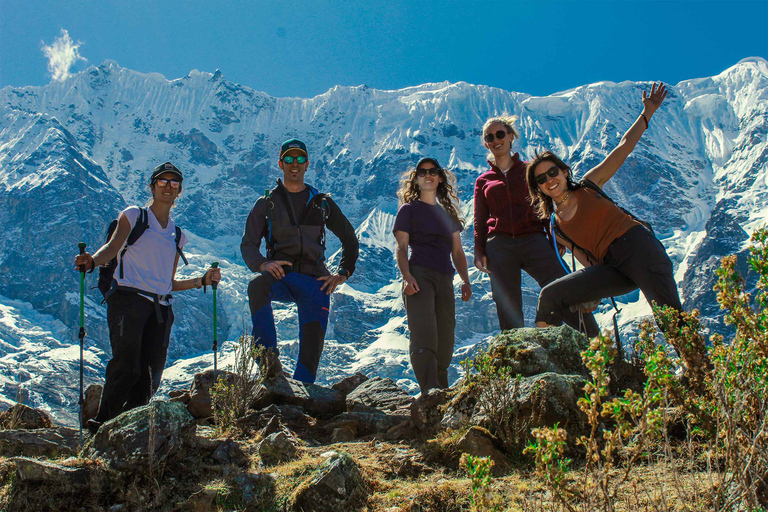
(313,305)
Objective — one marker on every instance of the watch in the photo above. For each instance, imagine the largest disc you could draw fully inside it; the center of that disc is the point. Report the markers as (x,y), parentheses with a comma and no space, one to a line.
(343,272)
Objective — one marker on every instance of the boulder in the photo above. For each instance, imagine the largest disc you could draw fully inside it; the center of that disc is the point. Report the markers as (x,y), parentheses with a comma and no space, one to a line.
(427,411)
(152,432)
(316,400)
(256,486)
(381,393)
(41,472)
(342,435)
(346,385)
(276,448)
(532,351)
(365,423)
(336,485)
(230,452)
(41,442)
(92,400)
(550,398)
(291,417)
(23,416)
(478,442)
(200,404)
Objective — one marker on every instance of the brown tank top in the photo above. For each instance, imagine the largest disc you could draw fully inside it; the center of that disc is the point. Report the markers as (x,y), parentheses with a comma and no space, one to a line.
(596,224)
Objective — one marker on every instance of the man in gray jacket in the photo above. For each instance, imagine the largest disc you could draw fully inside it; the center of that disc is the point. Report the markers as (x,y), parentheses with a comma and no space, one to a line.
(292,219)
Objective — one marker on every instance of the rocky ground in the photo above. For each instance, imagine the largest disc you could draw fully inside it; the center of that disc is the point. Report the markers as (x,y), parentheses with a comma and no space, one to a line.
(363,444)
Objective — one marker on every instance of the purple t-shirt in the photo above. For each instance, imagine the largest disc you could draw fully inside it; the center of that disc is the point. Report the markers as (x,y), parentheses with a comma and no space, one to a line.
(430,232)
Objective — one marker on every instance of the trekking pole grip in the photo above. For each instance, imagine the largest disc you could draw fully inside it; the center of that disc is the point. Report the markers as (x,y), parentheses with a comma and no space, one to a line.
(81,246)
(214,284)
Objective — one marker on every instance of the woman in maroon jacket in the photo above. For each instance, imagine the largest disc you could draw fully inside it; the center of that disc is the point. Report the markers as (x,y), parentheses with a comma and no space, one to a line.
(509,236)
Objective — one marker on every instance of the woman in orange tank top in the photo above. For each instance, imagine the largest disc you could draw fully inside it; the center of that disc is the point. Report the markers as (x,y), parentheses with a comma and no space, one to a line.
(620,254)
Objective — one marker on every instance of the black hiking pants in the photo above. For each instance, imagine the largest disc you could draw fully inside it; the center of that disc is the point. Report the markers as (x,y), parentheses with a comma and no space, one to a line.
(431,320)
(139,348)
(507,257)
(634,260)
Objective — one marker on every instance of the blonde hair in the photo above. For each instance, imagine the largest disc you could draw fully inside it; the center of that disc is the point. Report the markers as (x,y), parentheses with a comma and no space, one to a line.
(446,191)
(507,121)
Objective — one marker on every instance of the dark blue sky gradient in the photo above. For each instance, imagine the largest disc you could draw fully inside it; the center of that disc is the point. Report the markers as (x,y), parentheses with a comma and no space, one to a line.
(303,48)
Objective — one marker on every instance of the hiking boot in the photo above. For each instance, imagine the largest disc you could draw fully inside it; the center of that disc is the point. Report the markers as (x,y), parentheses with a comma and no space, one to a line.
(270,365)
(93,426)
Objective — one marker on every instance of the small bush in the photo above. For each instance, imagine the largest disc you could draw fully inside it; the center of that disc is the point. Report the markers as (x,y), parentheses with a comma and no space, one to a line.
(231,397)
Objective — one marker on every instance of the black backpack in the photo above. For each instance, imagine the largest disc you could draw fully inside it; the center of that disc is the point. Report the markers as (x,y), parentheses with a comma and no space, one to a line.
(107,280)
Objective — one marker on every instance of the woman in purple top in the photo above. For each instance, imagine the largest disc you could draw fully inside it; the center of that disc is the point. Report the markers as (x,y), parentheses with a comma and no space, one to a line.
(428,221)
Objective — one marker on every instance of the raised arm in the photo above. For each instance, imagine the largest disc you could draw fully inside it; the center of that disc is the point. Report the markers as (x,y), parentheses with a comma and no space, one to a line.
(608,167)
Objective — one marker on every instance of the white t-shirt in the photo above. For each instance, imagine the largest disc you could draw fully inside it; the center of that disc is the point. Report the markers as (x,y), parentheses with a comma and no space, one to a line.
(148,263)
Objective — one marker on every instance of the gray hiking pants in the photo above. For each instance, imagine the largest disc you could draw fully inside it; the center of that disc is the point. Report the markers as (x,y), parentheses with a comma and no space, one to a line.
(431,320)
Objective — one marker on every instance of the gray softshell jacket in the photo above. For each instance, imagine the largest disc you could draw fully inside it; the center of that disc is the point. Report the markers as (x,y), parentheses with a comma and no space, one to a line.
(298,237)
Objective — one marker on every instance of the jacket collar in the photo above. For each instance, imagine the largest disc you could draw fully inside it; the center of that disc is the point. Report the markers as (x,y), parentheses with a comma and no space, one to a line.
(515,162)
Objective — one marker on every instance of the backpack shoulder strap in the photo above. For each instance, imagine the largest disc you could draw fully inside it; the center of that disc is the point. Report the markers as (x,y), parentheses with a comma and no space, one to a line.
(178,249)
(142,223)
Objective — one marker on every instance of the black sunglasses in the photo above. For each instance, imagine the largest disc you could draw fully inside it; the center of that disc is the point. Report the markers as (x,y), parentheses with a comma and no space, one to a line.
(162,182)
(499,135)
(433,171)
(551,173)
(288,159)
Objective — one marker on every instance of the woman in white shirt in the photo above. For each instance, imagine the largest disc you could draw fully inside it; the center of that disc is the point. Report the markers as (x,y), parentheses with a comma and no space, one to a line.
(139,312)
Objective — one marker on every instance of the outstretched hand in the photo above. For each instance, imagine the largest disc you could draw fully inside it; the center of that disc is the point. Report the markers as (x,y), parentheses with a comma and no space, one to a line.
(652,102)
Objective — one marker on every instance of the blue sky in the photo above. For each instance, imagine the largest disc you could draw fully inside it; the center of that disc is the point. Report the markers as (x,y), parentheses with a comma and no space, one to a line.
(302,48)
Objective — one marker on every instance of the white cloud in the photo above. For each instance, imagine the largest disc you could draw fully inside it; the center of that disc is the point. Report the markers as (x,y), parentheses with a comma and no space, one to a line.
(62,54)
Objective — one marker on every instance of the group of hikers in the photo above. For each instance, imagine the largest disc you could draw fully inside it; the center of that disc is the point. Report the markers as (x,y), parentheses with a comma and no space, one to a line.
(526,215)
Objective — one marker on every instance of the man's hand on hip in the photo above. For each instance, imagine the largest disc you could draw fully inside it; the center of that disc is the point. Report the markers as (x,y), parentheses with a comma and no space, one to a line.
(331,282)
(275,268)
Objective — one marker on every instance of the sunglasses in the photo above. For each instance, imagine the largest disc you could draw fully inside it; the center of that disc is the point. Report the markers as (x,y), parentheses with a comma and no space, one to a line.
(433,171)
(499,135)
(543,177)
(288,159)
(162,182)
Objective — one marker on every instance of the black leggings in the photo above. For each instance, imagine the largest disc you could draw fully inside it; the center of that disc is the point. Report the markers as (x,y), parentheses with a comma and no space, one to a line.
(634,260)
(139,348)
(507,257)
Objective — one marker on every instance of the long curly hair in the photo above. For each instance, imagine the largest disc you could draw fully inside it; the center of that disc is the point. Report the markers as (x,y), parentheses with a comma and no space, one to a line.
(446,190)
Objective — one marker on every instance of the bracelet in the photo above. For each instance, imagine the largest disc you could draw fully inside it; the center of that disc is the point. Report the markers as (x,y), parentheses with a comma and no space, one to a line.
(198,283)
(645,119)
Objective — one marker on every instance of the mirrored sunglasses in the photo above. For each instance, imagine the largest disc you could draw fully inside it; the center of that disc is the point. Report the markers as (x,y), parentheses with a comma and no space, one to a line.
(162,182)
(288,159)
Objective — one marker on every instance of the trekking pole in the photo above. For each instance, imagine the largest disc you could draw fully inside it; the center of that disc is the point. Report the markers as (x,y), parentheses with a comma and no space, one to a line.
(81,335)
(215,285)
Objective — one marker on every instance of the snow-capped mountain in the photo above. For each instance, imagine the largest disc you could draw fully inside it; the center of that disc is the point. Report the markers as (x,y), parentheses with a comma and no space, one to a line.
(74,153)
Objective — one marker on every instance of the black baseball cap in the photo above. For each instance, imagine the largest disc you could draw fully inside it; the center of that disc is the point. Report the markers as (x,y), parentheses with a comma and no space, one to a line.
(164,168)
(430,160)
(293,144)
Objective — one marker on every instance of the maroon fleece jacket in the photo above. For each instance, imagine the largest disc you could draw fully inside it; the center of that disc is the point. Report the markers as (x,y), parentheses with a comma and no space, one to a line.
(503,206)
